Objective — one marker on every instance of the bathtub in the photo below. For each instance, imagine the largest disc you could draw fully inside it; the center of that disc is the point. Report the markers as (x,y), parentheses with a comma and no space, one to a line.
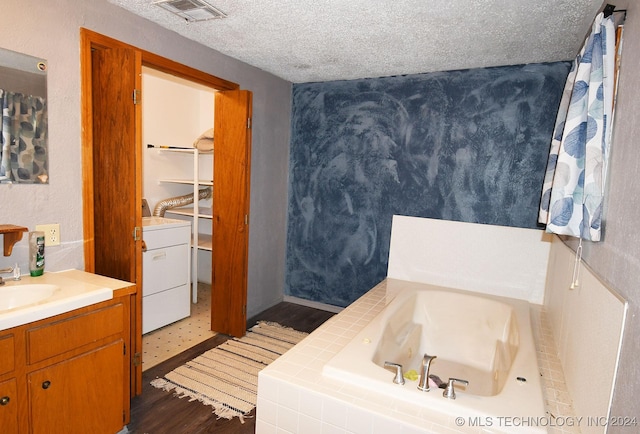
(486,340)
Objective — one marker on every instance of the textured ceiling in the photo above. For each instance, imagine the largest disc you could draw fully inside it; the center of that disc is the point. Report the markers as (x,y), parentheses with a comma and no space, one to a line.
(321,40)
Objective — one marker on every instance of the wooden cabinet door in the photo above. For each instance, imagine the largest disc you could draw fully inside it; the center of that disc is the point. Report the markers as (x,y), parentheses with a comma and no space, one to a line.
(83,394)
(231,176)
(9,407)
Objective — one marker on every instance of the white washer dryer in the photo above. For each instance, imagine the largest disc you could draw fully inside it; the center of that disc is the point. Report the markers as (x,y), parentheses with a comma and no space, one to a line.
(166,265)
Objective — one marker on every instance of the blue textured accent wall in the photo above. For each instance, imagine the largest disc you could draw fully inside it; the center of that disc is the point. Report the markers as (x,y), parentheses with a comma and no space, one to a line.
(468,145)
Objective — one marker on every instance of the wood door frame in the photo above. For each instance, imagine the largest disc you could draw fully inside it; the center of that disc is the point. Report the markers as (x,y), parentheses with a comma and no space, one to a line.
(90,40)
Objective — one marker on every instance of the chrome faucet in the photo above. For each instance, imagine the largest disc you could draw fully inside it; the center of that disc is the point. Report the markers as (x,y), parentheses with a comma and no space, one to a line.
(15,270)
(423,385)
(5,271)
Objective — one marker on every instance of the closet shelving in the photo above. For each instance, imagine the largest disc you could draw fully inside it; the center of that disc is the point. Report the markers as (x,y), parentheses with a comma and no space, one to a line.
(199,240)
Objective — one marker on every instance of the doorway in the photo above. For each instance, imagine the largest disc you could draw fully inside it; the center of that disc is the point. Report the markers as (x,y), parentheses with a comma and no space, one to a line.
(177,165)
(112,179)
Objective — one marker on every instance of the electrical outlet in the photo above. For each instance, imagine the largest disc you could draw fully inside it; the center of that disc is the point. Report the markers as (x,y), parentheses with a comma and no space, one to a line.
(51,234)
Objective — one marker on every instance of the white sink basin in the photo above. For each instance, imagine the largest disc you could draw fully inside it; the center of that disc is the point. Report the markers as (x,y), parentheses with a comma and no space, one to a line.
(23,295)
(34,298)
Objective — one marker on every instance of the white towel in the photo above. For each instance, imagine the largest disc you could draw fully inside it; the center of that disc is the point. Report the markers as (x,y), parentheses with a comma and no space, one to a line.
(204,142)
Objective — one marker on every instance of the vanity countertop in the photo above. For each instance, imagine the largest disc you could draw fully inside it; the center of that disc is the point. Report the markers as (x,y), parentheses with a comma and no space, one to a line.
(76,289)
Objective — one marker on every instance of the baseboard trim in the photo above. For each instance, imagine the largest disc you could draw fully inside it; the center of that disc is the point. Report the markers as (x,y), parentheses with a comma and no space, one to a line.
(313,304)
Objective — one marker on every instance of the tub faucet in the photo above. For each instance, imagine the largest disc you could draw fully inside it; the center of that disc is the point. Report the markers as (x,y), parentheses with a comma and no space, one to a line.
(423,385)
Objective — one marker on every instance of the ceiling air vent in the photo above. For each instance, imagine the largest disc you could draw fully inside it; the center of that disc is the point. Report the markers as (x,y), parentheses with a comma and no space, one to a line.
(191,10)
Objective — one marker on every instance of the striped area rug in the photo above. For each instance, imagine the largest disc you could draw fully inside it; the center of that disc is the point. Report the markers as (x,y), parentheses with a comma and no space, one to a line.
(226,377)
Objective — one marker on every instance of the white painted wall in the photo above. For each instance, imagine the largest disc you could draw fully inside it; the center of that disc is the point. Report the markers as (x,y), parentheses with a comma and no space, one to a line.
(51,30)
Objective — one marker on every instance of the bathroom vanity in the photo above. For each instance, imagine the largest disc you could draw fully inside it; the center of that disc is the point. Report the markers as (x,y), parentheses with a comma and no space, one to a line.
(69,371)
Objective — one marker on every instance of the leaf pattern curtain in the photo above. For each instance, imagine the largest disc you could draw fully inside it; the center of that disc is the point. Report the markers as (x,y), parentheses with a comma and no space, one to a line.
(573,189)
(23,150)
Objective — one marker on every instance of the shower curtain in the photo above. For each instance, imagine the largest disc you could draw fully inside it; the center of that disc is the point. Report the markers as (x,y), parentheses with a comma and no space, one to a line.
(577,167)
(23,154)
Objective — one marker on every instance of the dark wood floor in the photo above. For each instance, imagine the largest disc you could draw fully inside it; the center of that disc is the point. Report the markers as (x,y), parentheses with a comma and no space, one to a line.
(159,412)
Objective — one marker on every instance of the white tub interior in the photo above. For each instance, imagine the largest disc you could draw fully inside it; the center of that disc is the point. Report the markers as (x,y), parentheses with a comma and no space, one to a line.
(486,340)
(475,339)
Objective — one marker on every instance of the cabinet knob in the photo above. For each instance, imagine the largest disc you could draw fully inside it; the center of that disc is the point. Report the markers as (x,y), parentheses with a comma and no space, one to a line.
(4,400)
(46,384)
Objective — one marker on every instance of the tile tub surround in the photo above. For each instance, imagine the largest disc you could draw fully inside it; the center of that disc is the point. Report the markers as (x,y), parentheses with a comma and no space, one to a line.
(587,323)
(557,399)
(294,397)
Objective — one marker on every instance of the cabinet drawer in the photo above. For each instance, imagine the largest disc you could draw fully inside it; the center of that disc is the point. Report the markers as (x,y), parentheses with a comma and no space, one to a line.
(165,268)
(165,237)
(65,335)
(7,354)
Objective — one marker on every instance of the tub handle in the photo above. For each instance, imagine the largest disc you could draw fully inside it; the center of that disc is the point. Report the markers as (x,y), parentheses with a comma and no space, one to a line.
(399,378)
(450,391)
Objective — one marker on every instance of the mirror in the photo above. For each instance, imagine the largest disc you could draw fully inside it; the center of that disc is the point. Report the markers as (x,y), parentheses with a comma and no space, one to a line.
(23,131)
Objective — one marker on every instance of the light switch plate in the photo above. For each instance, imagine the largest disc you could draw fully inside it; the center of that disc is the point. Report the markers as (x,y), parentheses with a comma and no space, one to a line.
(51,234)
